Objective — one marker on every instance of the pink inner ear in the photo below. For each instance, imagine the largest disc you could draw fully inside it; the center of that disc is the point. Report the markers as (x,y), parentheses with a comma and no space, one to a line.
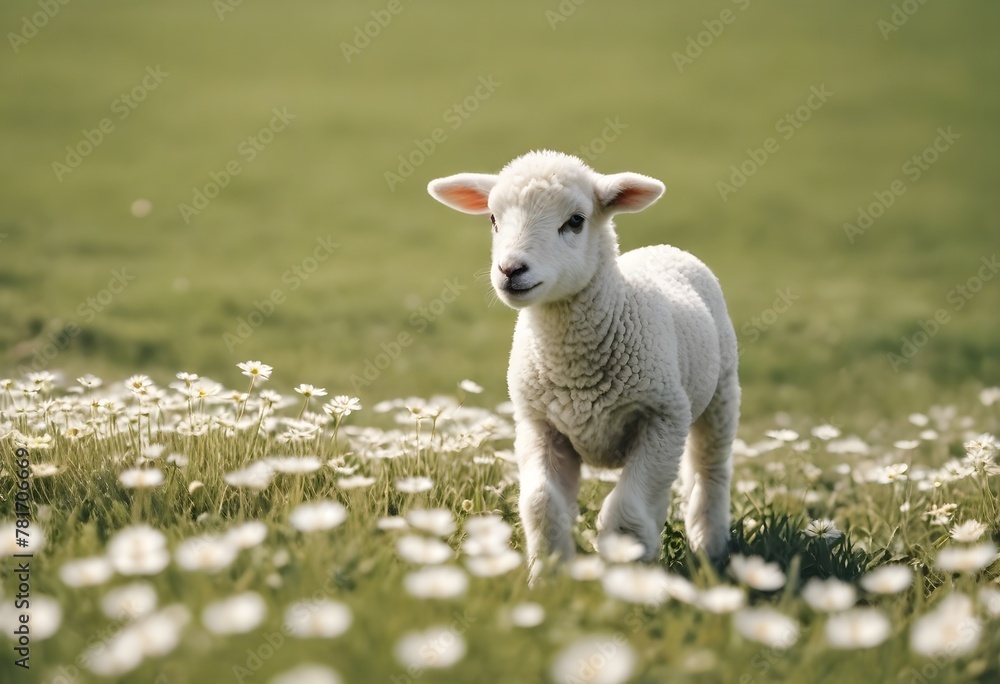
(627,197)
(473,200)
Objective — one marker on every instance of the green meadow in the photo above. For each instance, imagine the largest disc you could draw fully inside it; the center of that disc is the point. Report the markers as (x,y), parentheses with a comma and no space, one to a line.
(192,184)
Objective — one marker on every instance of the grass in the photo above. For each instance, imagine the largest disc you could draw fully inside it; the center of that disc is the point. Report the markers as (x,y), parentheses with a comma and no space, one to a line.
(463,451)
(817,314)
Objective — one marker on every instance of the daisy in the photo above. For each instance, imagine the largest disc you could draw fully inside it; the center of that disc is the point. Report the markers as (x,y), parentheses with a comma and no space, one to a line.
(434,648)
(116,656)
(966,559)
(414,485)
(319,619)
(257,475)
(40,470)
(45,615)
(494,565)
(444,581)
(139,550)
(527,615)
(598,659)
(141,478)
(356,482)
(829,595)
(858,628)
(968,532)
(307,674)
(310,391)
(237,614)
(209,553)
(989,396)
(637,584)
(89,381)
(950,630)
(86,572)
(294,465)
(722,599)
(620,548)
(246,535)
(158,634)
(317,515)
(767,626)
(756,573)
(782,435)
(342,406)
(436,521)
(887,579)
(906,444)
(918,419)
(892,473)
(825,432)
(423,551)
(989,598)
(255,370)
(129,601)
(139,384)
(470,387)
(392,522)
(586,568)
(824,529)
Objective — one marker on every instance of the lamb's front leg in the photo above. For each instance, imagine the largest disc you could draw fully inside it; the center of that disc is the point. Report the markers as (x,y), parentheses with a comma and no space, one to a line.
(550,483)
(638,505)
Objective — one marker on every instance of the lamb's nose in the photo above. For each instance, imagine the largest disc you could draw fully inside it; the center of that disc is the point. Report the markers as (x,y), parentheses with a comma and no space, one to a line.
(513,270)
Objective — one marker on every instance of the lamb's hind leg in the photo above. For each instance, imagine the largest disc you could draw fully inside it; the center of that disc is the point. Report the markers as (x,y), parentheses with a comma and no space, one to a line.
(550,483)
(708,469)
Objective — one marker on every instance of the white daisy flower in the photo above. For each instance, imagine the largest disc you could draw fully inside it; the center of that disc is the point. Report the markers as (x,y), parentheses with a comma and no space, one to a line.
(722,599)
(757,573)
(86,572)
(444,581)
(437,521)
(414,485)
(887,579)
(318,619)
(392,522)
(211,553)
(310,391)
(494,565)
(470,387)
(637,584)
(858,628)
(355,482)
(138,550)
(307,674)
(423,550)
(949,630)
(247,535)
(968,532)
(44,614)
(767,626)
(829,595)
(598,659)
(141,478)
(824,529)
(129,601)
(619,548)
(342,406)
(919,419)
(586,568)
(433,648)
(317,515)
(294,465)
(527,615)
(116,656)
(237,614)
(89,381)
(160,633)
(825,432)
(989,598)
(257,476)
(782,435)
(966,559)
(906,444)
(255,370)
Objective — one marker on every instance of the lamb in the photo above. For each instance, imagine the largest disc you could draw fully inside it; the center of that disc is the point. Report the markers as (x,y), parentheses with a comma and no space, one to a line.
(623,361)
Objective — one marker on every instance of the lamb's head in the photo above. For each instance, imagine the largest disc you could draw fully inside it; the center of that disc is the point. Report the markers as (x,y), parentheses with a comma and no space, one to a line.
(551,217)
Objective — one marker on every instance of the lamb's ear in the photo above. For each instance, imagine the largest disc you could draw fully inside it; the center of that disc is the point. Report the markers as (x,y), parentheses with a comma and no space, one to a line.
(467,192)
(627,192)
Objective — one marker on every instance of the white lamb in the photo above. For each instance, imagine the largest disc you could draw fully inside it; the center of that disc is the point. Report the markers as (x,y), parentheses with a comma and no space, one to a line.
(617,361)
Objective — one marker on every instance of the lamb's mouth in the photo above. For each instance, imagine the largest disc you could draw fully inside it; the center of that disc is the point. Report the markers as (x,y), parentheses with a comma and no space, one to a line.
(516,291)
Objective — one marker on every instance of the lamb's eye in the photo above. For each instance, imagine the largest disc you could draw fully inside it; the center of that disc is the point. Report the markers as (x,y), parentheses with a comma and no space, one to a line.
(493,220)
(573,223)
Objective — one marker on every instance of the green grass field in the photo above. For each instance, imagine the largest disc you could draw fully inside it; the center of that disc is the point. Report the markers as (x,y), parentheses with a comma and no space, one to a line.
(190,185)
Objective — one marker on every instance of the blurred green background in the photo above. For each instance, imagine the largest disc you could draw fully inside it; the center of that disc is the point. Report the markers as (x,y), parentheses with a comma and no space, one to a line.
(559,72)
